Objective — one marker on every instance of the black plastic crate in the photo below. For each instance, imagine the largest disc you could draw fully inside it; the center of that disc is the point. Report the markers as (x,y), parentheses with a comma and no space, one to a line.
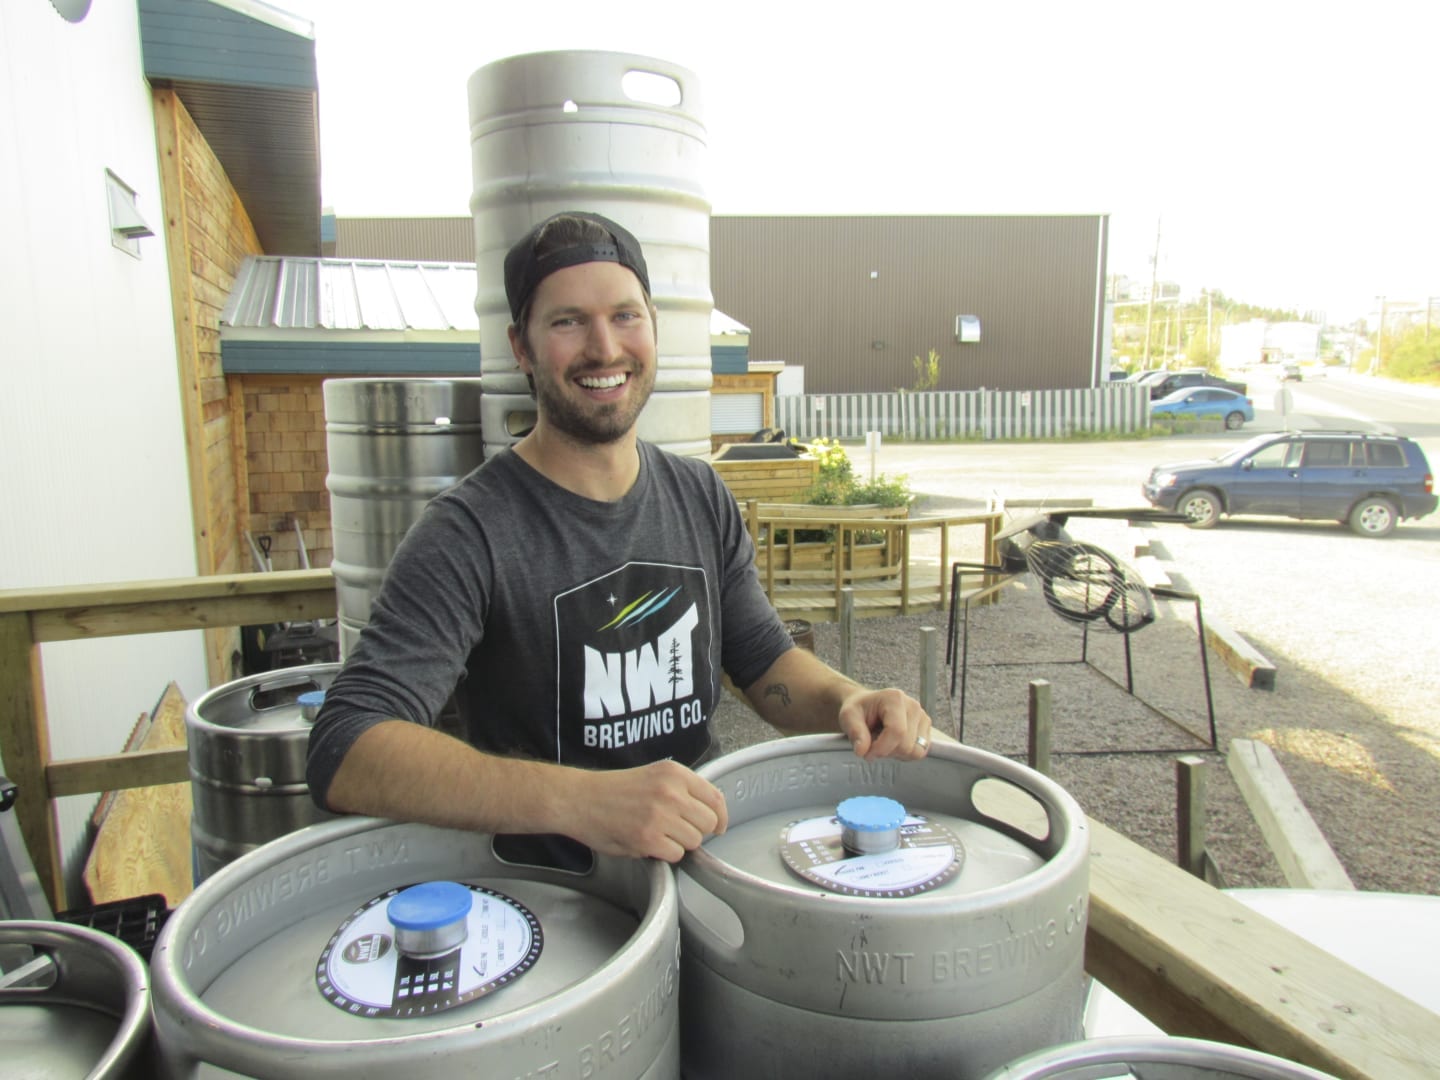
(136,921)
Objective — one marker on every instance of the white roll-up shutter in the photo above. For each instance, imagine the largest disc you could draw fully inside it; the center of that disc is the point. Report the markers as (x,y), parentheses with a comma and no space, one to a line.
(734,414)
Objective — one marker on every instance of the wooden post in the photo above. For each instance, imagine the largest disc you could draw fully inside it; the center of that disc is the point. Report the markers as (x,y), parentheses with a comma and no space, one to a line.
(25,748)
(905,572)
(1190,814)
(944,562)
(847,631)
(929,668)
(1038,754)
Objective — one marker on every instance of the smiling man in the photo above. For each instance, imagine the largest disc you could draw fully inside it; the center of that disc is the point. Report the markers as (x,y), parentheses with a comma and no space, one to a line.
(580,596)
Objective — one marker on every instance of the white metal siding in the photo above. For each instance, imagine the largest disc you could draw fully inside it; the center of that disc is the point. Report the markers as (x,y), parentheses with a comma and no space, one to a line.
(95,481)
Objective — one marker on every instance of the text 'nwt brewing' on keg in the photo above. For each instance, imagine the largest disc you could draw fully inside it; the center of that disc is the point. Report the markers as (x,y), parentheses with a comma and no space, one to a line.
(247,742)
(362,949)
(860,919)
(393,445)
(617,135)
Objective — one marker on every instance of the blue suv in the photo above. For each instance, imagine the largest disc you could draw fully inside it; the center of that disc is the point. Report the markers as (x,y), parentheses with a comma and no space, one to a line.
(1372,482)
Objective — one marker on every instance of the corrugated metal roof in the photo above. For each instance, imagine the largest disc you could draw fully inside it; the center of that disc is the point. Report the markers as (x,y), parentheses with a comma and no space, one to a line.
(290,293)
(286,294)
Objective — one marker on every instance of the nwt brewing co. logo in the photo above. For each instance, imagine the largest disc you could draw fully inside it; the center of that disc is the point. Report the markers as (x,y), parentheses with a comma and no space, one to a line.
(635,673)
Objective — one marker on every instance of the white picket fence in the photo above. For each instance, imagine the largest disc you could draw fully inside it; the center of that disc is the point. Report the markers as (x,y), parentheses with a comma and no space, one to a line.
(1118,408)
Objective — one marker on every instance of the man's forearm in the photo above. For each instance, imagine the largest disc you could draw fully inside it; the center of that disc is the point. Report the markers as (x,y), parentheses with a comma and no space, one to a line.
(800,693)
(408,772)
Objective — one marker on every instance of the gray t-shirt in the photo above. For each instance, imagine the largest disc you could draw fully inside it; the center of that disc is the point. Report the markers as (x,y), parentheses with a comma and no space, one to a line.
(579,632)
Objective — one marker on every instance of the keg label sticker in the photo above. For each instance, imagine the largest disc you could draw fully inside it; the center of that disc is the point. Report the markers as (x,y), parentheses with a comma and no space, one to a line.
(362,971)
(928,856)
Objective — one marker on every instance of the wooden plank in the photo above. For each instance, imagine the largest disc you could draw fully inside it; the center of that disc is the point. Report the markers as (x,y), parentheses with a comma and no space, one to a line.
(170,151)
(157,616)
(1242,658)
(125,593)
(24,750)
(1304,855)
(1248,664)
(138,768)
(1201,964)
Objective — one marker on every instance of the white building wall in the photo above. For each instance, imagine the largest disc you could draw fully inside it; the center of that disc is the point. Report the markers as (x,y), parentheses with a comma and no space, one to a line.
(94,479)
(1242,344)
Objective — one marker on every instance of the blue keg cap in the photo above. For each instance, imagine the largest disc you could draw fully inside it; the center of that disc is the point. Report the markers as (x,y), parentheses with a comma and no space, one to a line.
(313,698)
(430,905)
(870,813)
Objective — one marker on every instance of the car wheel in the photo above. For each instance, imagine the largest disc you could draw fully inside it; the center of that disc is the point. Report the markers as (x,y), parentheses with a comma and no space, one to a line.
(1234,420)
(1374,517)
(1201,507)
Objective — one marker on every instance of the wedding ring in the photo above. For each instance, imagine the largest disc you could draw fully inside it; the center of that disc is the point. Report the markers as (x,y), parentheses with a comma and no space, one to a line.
(922,742)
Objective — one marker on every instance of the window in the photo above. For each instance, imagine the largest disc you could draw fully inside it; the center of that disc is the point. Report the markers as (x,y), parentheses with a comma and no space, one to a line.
(1384,455)
(1327,454)
(1272,456)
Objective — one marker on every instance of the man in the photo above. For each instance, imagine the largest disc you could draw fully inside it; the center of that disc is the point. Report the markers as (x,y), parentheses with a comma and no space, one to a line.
(579,594)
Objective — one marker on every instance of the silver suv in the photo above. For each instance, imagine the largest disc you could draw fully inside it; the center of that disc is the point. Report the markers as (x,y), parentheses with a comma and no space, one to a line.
(1371,482)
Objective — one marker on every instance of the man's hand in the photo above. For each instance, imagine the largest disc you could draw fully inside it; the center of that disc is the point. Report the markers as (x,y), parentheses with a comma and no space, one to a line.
(660,811)
(885,723)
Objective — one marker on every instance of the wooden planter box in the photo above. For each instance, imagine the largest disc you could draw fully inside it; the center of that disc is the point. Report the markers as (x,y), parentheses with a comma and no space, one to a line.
(781,480)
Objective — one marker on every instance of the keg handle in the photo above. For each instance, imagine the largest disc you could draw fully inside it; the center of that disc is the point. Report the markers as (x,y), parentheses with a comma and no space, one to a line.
(37,973)
(279,692)
(707,873)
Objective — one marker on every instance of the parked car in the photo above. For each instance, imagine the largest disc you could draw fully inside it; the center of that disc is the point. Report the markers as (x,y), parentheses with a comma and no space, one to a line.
(1200,401)
(1370,482)
(1178,380)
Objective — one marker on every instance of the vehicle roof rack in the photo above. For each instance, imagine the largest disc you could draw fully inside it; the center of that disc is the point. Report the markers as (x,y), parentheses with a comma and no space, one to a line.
(1343,431)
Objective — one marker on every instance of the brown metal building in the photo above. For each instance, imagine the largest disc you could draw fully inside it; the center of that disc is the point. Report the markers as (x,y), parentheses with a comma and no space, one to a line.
(853,300)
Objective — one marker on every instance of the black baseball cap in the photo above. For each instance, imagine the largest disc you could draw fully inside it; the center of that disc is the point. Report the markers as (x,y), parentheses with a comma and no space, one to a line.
(524,270)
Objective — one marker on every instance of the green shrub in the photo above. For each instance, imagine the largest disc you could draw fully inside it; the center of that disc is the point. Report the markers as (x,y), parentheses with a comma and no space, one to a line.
(836,485)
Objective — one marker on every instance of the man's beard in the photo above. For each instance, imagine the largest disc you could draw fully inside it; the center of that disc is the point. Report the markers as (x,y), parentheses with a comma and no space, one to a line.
(590,423)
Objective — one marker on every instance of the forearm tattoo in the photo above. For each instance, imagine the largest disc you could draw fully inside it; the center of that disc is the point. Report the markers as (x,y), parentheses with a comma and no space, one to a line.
(779,690)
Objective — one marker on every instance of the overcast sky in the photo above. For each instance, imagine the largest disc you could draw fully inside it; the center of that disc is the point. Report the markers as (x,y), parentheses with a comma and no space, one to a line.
(1284,149)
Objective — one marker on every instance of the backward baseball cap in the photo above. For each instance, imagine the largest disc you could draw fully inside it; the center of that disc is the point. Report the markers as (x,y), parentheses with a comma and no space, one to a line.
(524,270)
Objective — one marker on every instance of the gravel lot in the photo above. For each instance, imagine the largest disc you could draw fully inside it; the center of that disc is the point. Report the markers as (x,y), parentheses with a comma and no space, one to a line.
(1348,623)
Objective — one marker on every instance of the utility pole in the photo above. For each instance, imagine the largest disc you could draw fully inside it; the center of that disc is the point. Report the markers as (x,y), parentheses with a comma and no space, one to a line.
(1150,304)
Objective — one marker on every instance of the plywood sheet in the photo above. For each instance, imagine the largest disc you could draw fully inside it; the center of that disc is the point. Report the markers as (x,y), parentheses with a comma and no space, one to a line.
(142,845)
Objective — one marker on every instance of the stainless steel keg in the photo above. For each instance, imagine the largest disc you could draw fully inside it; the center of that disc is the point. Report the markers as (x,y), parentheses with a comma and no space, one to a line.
(247,742)
(1154,1058)
(392,444)
(614,134)
(861,918)
(315,956)
(73,1003)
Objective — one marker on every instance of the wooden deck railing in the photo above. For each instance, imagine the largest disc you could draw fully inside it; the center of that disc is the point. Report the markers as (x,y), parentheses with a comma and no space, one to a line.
(807,579)
(1194,960)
